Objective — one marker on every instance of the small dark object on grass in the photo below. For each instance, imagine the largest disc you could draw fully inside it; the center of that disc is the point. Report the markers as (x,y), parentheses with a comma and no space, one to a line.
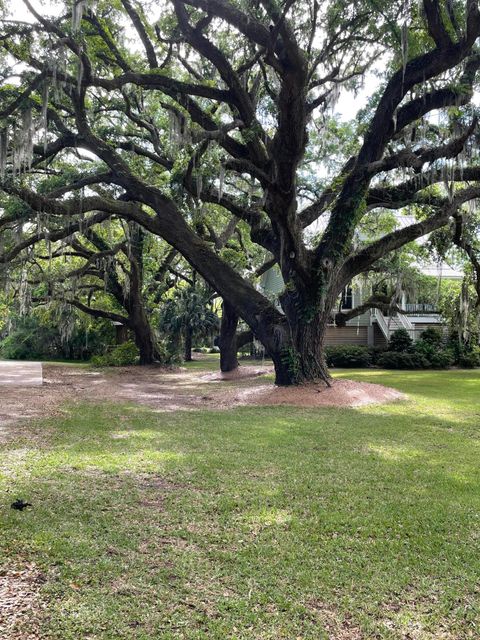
(20,505)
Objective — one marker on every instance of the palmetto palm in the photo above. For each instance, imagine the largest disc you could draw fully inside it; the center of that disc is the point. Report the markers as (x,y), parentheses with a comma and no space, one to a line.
(187,314)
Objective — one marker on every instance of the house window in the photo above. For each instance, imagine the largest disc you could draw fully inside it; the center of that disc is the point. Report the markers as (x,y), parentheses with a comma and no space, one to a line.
(347,298)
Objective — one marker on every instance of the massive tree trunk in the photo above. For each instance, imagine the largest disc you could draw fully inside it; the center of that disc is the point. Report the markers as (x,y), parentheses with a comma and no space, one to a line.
(297,351)
(121,333)
(188,343)
(308,349)
(135,305)
(143,336)
(297,346)
(228,338)
(145,346)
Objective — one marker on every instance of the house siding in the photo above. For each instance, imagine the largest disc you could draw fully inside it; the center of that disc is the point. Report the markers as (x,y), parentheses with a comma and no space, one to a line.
(346,335)
(359,335)
(363,320)
(421,326)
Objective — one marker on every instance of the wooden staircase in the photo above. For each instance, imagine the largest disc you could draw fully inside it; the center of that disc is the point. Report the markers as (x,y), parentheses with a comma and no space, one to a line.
(389,324)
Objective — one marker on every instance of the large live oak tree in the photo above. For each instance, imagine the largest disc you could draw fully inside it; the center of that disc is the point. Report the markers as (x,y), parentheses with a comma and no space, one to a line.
(220,104)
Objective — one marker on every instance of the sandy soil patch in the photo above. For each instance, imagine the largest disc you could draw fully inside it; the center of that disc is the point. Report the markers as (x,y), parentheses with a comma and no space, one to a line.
(14,373)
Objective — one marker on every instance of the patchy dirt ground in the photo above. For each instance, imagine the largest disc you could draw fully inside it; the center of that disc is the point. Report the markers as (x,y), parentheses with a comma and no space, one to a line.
(20,605)
(171,390)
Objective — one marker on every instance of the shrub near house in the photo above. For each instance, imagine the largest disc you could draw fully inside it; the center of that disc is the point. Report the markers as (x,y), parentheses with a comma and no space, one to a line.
(426,353)
(429,352)
(470,359)
(348,355)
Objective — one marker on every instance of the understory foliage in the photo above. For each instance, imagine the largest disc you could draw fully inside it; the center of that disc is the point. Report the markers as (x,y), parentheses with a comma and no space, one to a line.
(46,334)
(188,316)
(470,359)
(461,313)
(121,355)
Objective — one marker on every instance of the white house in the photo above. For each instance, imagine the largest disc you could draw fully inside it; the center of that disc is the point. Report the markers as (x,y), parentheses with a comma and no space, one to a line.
(375,327)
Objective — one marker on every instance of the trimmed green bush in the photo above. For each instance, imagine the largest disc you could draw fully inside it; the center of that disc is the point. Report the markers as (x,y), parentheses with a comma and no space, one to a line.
(432,336)
(400,341)
(470,359)
(376,352)
(424,349)
(437,357)
(403,360)
(120,356)
(442,359)
(348,355)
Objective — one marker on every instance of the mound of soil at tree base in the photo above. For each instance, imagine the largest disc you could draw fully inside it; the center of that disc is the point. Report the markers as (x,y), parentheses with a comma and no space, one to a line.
(342,393)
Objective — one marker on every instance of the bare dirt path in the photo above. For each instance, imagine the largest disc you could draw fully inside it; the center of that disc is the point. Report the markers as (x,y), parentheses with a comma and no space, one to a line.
(160,388)
(15,373)
(172,390)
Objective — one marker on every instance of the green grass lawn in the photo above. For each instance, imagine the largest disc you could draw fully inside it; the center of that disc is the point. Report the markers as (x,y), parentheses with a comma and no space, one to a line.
(256,523)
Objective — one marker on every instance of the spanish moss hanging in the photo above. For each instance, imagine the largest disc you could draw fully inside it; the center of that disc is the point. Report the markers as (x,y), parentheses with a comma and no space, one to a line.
(22,142)
(44,112)
(24,297)
(77,14)
(3,153)
(221,182)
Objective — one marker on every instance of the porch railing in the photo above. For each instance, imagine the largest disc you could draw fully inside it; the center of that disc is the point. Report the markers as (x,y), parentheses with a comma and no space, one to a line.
(421,308)
(382,322)
(406,324)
